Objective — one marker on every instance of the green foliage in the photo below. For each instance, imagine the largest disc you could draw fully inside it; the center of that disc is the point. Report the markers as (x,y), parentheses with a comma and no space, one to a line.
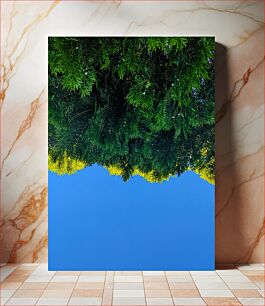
(142,105)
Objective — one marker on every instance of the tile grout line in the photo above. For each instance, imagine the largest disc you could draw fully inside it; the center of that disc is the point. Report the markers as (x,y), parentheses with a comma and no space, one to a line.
(197,288)
(15,289)
(12,270)
(73,288)
(104,288)
(231,289)
(112,293)
(102,300)
(112,290)
(227,285)
(19,265)
(43,289)
(145,298)
(169,288)
(217,289)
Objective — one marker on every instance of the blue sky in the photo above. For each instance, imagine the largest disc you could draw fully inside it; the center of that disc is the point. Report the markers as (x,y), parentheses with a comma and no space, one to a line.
(98,222)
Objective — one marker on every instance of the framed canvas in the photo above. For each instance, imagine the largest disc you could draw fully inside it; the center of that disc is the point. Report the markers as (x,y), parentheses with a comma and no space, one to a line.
(131,153)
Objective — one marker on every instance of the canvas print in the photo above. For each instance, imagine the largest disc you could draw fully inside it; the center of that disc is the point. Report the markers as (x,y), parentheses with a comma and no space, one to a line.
(131,153)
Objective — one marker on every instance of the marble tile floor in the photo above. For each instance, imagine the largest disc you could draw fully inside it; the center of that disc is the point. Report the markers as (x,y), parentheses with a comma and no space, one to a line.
(33,284)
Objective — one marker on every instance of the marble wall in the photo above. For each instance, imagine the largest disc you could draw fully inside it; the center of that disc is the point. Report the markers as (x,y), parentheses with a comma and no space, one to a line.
(238,27)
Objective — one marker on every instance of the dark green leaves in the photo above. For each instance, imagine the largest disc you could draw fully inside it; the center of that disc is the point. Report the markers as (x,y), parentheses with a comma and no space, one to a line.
(144,104)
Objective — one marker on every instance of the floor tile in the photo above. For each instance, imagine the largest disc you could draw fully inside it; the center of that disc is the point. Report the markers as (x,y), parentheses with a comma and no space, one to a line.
(87,293)
(109,275)
(32,286)
(235,278)
(246,293)
(256,278)
(21,272)
(6,293)
(128,273)
(43,270)
(156,285)
(260,285)
(241,285)
(4,275)
(85,301)
(128,293)
(207,273)
(3,300)
(109,284)
(60,286)
(215,301)
(232,272)
(155,278)
(159,301)
(128,279)
(146,273)
(10,285)
(251,267)
(251,301)
(91,278)
(188,301)
(6,271)
(107,297)
(22,301)
(40,272)
(39,278)
(202,277)
(157,293)
(182,286)
(216,293)
(253,272)
(28,293)
(128,301)
(16,278)
(88,285)
(176,273)
(179,278)
(205,280)
(95,273)
(211,285)
(185,293)
(261,292)
(53,301)
(64,279)
(60,294)
(128,286)
(67,273)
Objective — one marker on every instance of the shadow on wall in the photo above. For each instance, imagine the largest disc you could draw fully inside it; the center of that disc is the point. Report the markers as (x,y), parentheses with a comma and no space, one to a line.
(232,229)
(223,137)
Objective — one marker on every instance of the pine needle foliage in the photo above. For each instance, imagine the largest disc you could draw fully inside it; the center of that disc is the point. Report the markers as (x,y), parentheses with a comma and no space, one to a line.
(142,105)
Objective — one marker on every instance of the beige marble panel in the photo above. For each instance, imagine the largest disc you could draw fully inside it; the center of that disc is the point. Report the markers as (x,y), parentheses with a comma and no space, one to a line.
(240,152)
(237,25)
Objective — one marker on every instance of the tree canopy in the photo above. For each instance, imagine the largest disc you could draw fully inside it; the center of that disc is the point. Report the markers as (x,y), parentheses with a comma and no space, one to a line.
(134,105)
